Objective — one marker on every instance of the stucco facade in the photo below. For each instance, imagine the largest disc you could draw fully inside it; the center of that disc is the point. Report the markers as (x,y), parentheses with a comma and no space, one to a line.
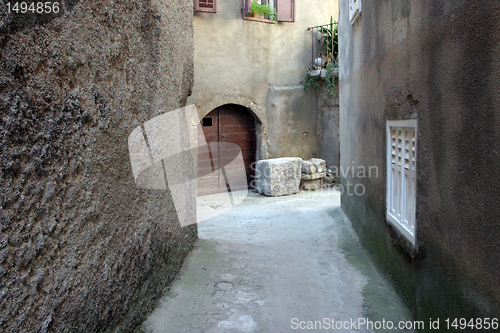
(436,62)
(260,66)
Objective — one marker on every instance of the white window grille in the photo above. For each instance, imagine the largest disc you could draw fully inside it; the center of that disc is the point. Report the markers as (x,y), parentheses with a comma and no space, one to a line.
(354,10)
(402,176)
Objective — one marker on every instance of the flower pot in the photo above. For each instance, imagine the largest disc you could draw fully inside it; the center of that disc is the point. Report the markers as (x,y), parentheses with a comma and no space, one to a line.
(315,72)
(257,16)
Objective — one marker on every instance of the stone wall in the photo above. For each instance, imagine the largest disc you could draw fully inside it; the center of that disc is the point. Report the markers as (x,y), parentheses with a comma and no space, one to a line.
(434,61)
(82,249)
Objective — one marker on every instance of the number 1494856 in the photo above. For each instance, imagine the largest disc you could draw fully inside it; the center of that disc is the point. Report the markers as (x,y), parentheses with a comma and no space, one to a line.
(32,7)
(473,324)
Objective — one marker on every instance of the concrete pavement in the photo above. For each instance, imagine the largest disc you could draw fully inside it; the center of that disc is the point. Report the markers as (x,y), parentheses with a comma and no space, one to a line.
(277,264)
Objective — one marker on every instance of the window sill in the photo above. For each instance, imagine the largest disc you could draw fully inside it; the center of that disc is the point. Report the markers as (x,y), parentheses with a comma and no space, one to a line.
(259,20)
(322,72)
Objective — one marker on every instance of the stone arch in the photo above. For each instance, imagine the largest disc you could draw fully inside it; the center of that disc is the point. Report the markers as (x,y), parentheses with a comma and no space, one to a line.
(259,114)
(228,123)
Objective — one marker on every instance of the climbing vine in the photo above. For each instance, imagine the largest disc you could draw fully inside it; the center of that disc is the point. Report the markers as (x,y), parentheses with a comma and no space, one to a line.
(330,78)
(310,81)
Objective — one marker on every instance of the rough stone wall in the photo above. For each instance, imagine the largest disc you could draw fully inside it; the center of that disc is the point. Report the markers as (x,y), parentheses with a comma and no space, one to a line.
(435,61)
(82,249)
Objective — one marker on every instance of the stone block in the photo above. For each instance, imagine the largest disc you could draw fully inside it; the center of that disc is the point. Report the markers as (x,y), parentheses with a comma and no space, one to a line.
(317,175)
(278,176)
(311,185)
(319,164)
(308,168)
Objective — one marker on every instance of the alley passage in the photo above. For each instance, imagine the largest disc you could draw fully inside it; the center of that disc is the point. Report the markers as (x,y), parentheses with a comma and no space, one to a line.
(276,264)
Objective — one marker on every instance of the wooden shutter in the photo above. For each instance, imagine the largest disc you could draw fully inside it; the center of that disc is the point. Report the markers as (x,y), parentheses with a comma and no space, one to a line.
(206,6)
(286,10)
(246,7)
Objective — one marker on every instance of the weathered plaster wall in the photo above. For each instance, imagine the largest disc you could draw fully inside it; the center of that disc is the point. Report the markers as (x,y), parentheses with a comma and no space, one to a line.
(82,249)
(328,125)
(291,116)
(435,61)
(260,65)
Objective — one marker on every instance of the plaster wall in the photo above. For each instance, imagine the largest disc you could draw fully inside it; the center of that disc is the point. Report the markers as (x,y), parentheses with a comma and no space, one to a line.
(328,125)
(435,61)
(82,248)
(260,66)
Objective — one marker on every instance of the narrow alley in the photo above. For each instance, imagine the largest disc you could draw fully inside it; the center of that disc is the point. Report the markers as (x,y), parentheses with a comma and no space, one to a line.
(277,264)
(119,120)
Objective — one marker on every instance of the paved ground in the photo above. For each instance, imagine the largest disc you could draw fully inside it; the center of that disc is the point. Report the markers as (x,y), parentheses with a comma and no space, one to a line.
(276,265)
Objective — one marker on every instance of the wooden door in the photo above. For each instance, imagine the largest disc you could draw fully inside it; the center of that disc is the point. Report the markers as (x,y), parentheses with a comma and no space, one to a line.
(226,124)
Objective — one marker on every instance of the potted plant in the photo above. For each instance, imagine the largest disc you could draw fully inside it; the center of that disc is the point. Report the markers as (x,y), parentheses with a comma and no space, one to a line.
(330,41)
(260,11)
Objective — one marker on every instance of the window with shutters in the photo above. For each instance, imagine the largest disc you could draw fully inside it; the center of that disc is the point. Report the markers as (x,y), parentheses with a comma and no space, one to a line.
(284,10)
(402,176)
(205,6)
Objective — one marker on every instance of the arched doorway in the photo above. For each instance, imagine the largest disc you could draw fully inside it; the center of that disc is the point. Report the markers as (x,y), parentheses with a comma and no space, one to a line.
(230,123)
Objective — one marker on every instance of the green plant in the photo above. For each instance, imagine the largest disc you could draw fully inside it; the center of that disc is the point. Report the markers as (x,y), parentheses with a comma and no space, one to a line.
(330,40)
(310,82)
(330,78)
(258,8)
